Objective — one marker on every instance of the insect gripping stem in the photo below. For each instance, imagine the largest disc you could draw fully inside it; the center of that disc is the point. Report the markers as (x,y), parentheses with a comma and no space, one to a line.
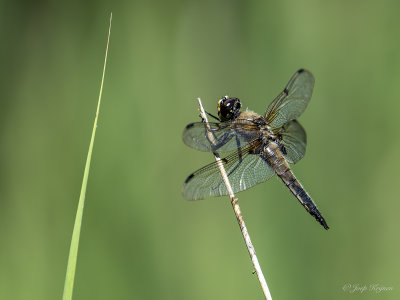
(236,209)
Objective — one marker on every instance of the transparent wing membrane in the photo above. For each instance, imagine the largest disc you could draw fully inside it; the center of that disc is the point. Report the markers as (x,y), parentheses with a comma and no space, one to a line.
(243,167)
(294,139)
(228,136)
(293,100)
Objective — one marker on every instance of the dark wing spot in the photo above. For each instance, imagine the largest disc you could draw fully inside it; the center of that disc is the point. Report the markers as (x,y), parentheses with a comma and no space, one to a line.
(300,71)
(283,149)
(224,160)
(189,125)
(189,177)
(286,91)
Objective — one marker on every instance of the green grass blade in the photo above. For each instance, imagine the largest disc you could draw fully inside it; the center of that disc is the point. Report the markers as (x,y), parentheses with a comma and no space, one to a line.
(73,251)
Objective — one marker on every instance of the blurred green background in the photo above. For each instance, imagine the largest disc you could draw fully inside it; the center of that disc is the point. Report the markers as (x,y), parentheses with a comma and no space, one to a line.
(140,239)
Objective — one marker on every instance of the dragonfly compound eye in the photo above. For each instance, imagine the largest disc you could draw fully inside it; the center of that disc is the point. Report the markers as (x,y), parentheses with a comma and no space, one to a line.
(228,108)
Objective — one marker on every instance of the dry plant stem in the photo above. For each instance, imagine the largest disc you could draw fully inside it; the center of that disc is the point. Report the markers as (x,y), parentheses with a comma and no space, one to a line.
(236,208)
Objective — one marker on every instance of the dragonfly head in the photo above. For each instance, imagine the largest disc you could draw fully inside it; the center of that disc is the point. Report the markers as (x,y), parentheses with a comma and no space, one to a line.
(228,108)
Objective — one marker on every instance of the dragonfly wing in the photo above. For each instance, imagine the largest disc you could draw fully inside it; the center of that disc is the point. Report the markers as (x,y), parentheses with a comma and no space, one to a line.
(293,100)
(294,139)
(243,167)
(227,136)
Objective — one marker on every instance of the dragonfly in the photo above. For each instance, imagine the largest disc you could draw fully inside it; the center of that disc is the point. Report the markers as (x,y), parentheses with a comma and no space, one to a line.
(256,147)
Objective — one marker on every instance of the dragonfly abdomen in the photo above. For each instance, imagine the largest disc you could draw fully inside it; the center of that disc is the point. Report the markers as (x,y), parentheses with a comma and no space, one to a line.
(281,168)
(304,198)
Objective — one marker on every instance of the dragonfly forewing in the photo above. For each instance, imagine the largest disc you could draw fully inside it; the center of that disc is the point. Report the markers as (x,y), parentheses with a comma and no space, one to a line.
(293,100)
(228,136)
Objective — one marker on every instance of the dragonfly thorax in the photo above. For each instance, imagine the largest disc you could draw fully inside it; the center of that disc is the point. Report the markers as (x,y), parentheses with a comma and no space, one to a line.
(272,134)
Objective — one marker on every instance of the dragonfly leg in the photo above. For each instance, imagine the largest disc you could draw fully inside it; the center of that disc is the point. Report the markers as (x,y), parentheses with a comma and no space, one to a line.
(212,116)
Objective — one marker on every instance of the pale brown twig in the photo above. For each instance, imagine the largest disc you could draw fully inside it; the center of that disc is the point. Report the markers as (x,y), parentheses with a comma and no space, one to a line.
(236,209)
